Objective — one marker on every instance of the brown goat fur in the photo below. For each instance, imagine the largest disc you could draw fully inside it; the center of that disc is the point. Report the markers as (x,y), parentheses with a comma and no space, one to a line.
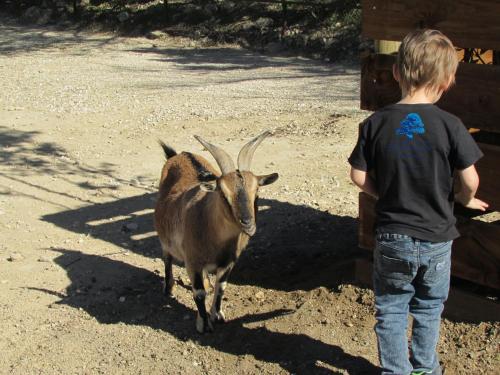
(204,219)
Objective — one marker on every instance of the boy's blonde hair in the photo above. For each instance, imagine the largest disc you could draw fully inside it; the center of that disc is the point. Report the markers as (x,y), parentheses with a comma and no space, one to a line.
(426,58)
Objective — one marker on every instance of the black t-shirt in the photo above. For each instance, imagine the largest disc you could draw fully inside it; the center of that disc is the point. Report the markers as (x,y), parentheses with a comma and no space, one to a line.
(413,150)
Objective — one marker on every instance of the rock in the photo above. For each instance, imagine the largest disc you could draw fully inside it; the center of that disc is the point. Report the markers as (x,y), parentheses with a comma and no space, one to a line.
(44,259)
(123,16)
(157,34)
(260,295)
(14,257)
(122,299)
(247,25)
(264,22)
(135,182)
(349,324)
(366,299)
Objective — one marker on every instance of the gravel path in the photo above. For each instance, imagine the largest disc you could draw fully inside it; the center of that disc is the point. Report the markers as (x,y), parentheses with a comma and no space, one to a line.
(80,274)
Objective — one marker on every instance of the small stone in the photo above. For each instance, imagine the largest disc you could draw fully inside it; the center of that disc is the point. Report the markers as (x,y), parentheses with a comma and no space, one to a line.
(349,324)
(44,259)
(259,295)
(186,317)
(135,182)
(122,299)
(14,257)
(157,34)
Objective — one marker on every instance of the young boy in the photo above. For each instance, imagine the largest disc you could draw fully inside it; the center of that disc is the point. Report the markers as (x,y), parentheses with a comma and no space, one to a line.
(412,150)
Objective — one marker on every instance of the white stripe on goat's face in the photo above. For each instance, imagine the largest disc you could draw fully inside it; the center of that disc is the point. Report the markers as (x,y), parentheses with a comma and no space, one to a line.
(240,191)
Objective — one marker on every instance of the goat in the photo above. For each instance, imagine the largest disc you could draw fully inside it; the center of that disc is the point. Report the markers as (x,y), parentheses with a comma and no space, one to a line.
(205,218)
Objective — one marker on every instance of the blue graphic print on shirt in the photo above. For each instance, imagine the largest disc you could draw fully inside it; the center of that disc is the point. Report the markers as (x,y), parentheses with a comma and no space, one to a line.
(412,124)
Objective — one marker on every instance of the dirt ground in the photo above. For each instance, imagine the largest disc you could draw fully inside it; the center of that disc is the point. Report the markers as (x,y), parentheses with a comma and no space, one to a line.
(80,274)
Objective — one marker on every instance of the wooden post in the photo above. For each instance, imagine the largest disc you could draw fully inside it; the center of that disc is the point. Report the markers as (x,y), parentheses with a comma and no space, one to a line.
(387,47)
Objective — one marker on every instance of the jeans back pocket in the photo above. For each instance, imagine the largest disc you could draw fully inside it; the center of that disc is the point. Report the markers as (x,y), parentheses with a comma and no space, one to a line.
(393,267)
(439,268)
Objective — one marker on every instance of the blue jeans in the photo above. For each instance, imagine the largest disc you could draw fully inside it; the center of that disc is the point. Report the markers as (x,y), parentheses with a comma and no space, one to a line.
(412,276)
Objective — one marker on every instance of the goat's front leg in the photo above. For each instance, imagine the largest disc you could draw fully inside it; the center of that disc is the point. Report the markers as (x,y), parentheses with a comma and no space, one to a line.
(216,314)
(203,323)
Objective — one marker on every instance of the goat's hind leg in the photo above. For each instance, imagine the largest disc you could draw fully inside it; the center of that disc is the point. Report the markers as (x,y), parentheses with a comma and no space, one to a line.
(216,314)
(169,277)
(203,323)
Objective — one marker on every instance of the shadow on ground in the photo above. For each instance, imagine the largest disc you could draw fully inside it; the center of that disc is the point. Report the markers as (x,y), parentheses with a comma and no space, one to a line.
(296,246)
(97,282)
(23,157)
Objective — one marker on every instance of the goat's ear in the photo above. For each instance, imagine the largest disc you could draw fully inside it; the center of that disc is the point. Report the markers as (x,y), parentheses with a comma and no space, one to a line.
(208,186)
(267,179)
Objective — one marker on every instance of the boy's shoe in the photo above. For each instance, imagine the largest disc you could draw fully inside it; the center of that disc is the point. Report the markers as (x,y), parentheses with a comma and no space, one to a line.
(425,372)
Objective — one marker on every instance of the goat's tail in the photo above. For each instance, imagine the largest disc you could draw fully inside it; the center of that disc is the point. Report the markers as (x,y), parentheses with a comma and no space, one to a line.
(169,151)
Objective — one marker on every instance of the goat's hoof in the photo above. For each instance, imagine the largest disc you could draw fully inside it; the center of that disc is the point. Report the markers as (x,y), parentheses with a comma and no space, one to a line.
(217,317)
(167,290)
(203,325)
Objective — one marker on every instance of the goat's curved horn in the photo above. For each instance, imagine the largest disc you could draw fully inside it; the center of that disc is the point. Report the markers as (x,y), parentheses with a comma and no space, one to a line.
(224,161)
(246,154)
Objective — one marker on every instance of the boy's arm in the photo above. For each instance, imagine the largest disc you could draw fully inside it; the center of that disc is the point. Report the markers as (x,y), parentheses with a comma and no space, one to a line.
(469,182)
(363,180)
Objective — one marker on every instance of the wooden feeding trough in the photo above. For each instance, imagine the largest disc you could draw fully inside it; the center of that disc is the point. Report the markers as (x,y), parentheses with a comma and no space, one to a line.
(474,27)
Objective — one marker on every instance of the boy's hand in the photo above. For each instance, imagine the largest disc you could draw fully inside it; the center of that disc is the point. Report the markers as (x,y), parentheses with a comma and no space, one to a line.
(469,182)
(472,203)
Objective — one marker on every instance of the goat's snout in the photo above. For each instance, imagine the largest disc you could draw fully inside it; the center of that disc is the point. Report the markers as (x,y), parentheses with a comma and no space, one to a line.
(246,221)
(248,226)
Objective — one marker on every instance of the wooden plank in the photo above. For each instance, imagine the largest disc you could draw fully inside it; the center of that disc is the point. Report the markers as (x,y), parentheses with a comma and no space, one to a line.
(475,256)
(475,97)
(488,169)
(468,23)
(366,228)
(378,87)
